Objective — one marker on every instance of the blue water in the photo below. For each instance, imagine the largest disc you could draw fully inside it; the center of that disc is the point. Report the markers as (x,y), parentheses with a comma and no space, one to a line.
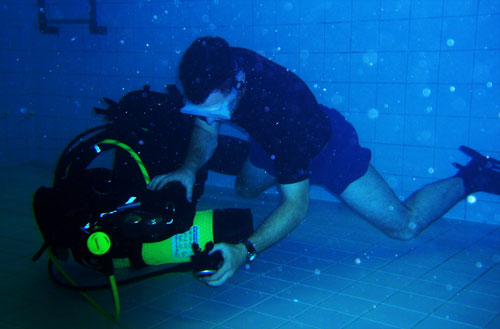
(417,79)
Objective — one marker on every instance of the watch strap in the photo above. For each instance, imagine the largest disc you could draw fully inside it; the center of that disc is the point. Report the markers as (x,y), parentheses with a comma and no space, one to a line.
(251,251)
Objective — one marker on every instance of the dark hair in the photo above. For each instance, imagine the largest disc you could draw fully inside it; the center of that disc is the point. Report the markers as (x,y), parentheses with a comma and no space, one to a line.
(207,65)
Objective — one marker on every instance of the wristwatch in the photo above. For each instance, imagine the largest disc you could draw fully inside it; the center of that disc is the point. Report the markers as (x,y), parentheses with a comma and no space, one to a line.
(251,251)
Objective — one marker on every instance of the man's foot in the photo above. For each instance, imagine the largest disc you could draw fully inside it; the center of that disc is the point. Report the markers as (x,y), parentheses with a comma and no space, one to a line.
(481,174)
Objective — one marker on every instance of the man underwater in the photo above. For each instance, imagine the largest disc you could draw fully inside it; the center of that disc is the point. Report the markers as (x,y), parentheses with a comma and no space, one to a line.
(296,142)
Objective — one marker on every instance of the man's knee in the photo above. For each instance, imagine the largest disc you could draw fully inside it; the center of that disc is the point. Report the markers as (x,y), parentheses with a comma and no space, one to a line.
(251,184)
(409,231)
(244,190)
(403,235)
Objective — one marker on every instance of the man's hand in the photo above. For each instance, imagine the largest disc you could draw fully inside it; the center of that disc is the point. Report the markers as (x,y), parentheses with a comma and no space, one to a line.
(185,176)
(234,255)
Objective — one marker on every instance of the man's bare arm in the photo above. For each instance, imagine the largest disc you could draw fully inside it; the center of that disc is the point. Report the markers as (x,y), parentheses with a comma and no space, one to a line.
(201,148)
(202,145)
(285,217)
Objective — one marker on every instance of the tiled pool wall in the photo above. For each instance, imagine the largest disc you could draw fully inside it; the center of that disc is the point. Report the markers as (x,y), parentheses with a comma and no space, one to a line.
(417,78)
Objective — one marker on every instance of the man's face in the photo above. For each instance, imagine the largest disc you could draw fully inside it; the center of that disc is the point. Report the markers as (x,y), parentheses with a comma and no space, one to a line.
(217,106)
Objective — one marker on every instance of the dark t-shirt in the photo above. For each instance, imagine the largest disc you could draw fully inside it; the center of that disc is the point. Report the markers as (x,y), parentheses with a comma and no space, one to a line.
(281,114)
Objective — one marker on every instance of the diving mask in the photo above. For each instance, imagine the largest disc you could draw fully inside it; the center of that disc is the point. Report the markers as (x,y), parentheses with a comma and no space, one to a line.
(218,111)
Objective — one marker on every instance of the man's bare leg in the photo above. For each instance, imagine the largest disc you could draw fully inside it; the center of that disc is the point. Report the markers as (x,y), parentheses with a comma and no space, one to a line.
(253,180)
(374,200)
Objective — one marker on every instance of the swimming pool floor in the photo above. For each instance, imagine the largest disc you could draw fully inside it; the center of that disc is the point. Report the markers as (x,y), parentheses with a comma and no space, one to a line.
(334,271)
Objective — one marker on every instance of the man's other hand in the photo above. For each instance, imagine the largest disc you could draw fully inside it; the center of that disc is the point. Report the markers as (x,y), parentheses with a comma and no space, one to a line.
(185,176)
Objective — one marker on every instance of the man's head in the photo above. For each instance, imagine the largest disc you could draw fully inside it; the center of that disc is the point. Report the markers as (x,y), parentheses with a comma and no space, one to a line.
(206,66)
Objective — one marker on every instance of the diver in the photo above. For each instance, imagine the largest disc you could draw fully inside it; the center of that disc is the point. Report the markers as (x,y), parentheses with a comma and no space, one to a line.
(296,142)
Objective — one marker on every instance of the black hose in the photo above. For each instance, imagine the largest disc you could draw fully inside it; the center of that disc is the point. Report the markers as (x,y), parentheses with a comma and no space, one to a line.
(176,269)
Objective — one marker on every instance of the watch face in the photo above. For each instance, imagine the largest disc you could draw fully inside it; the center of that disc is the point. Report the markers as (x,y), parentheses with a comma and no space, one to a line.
(204,273)
(251,257)
(252,253)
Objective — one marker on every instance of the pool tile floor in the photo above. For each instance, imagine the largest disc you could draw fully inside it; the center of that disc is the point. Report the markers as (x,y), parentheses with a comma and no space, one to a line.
(333,271)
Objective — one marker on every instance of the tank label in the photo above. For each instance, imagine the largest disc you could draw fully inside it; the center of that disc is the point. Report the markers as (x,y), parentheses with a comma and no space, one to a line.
(182,243)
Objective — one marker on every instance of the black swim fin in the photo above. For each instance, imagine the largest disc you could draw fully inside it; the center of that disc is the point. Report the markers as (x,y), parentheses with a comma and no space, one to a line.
(481,174)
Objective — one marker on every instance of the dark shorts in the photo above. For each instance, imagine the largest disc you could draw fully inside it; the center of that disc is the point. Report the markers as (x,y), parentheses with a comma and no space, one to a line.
(340,163)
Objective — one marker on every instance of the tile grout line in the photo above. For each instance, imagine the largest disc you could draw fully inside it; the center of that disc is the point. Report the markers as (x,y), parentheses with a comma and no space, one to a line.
(360,280)
(414,279)
(467,285)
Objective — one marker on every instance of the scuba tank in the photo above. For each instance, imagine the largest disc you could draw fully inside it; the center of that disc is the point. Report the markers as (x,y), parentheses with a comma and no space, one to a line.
(107,219)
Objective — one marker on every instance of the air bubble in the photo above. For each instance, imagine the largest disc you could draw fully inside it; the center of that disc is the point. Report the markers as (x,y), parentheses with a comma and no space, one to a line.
(450,42)
(426,92)
(357,261)
(430,170)
(370,59)
(452,89)
(373,113)
(489,84)
(471,199)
